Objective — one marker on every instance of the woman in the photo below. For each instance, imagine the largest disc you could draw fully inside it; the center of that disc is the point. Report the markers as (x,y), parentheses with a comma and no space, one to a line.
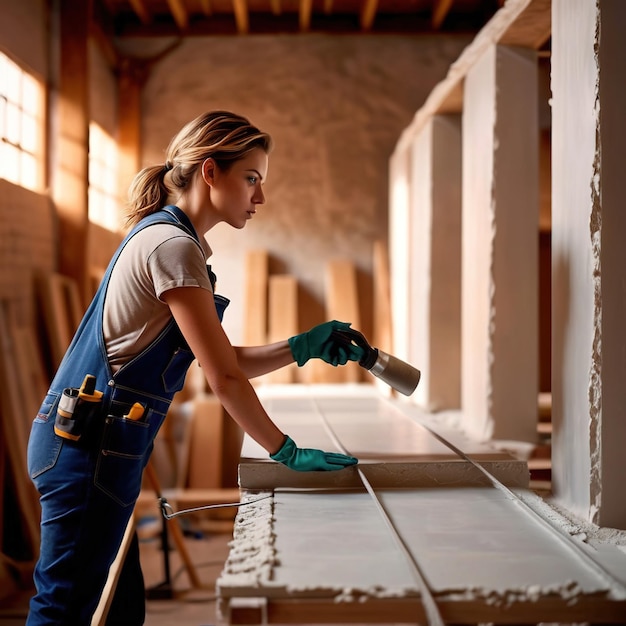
(154,313)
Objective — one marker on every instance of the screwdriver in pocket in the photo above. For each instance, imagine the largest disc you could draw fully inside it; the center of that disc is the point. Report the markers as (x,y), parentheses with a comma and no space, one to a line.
(136,412)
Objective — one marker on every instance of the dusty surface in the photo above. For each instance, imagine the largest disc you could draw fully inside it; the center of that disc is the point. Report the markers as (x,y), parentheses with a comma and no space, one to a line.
(481,544)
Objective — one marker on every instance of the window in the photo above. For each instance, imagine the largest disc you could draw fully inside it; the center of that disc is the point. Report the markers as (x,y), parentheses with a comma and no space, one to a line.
(104,204)
(22,107)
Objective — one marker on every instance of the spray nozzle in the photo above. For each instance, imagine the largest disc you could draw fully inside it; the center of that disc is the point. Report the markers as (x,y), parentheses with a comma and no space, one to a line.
(395,372)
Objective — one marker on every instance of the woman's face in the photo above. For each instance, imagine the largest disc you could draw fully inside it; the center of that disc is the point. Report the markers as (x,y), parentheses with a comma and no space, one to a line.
(236,193)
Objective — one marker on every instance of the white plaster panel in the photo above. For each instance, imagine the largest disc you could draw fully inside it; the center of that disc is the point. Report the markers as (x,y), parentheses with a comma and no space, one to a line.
(469,543)
(393,441)
(445,297)
(399,250)
(611,468)
(500,238)
(477,244)
(514,371)
(419,230)
(574,310)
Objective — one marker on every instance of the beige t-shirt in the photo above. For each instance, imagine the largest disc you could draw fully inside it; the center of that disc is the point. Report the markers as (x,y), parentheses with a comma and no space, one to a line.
(156,259)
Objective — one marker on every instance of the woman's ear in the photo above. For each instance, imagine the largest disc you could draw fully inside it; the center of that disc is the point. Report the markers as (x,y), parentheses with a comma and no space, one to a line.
(209,168)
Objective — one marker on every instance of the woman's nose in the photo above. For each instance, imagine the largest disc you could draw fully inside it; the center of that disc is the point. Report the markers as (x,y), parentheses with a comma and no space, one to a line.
(259,196)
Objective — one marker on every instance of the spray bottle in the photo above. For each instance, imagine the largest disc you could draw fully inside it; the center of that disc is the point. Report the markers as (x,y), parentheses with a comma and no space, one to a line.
(395,372)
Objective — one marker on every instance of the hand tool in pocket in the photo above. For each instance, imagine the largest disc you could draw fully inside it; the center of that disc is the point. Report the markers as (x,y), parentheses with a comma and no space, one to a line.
(75,408)
(136,412)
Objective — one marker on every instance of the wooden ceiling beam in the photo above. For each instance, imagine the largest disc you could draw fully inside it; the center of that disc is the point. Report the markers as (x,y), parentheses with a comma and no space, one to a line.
(140,8)
(275,6)
(441,8)
(306,7)
(241,16)
(368,13)
(181,17)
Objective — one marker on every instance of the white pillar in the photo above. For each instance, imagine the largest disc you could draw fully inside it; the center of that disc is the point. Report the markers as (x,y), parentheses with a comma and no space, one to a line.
(589,258)
(399,251)
(499,375)
(435,289)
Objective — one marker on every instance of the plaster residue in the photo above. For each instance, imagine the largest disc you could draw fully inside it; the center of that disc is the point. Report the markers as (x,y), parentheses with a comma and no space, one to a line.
(577,528)
(252,555)
(253,567)
(570,593)
(595,375)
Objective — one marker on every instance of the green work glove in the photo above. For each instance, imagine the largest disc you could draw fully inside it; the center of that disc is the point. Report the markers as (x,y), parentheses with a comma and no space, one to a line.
(310,460)
(319,343)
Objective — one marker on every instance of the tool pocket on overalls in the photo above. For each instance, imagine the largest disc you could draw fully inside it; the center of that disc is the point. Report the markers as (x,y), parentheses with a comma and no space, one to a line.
(121,459)
(77,410)
(175,371)
(43,445)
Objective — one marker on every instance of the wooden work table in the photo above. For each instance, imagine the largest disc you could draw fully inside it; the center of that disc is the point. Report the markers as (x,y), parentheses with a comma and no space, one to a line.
(429,528)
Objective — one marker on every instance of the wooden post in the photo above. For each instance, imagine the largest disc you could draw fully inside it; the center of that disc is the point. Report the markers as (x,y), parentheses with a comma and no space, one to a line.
(70,176)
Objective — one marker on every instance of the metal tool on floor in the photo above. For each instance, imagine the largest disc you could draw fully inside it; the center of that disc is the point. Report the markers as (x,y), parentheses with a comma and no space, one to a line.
(165,590)
(390,369)
(169,513)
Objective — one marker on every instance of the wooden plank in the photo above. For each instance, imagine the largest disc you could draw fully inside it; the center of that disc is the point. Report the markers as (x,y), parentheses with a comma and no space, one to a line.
(3,478)
(368,14)
(205,444)
(410,611)
(31,371)
(108,593)
(256,277)
(531,27)
(342,303)
(242,19)
(382,297)
(441,9)
(62,308)
(13,430)
(71,162)
(282,320)
(394,443)
(524,23)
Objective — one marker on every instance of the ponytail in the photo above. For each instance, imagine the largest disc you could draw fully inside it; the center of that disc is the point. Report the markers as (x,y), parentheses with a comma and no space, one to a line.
(221,135)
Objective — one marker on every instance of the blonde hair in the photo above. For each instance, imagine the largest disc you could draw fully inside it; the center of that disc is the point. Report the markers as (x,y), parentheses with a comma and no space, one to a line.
(225,137)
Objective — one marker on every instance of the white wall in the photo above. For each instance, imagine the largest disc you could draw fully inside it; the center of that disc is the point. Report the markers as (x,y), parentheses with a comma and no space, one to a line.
(588,257)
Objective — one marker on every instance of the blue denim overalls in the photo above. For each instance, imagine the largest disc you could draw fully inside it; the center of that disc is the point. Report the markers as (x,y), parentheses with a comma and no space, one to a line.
(89,487)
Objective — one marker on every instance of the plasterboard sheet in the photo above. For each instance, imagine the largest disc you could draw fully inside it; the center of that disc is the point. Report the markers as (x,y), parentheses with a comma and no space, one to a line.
(471,544)
(367,425)
(385,474)
(392,446)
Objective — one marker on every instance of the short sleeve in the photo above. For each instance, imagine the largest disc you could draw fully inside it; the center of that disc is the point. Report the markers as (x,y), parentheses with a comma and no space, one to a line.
(178,262)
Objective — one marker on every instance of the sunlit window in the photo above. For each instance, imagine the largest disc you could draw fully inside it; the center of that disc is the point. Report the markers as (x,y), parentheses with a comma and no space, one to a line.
(104,202)
(22,109)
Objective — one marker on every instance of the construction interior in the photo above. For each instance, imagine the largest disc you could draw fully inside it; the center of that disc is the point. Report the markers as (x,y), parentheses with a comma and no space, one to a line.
(446,177)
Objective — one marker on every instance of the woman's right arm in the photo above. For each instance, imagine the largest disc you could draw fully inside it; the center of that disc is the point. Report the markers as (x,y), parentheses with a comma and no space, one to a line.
(193,309)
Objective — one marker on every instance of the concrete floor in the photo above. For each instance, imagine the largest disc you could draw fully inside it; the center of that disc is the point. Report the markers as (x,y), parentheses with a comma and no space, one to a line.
(189,606)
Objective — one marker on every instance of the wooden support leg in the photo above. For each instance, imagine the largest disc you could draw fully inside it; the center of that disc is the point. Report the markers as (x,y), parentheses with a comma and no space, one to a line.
(100,616)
